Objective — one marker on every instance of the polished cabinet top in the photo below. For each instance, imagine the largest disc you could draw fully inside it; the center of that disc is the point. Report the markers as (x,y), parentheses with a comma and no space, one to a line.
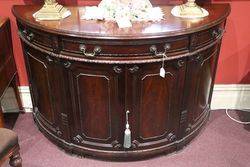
(169,26)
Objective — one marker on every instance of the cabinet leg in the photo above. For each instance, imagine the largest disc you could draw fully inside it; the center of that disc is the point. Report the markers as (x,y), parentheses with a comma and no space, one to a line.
(1,117)
(16,160)
(15,84)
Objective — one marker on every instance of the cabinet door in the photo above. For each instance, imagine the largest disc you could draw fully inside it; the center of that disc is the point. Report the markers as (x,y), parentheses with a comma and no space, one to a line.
(43,75)
(97,104)
(154,102)
(201,71)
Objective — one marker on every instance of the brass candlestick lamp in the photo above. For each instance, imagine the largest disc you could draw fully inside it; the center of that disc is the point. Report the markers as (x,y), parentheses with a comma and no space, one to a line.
(51,10)
(189,10)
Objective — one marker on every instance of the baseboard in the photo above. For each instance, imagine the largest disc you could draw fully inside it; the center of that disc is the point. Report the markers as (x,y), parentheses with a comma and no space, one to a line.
(235,96)
(26,98)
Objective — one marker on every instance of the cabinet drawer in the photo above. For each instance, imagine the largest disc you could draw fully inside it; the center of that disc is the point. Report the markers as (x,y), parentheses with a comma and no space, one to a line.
(205,37)
(122,47)
(37,37)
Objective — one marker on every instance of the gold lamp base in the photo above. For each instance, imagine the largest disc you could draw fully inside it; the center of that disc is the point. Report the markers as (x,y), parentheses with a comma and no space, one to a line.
(189,10)
(53,11)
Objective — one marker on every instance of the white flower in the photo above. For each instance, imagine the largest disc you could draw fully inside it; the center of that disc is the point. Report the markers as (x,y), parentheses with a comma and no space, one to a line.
(133,10)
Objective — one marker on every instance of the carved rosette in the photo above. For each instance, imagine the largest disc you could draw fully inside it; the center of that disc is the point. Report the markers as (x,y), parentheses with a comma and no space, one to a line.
(135,144)
(180,64)
(133,69)
(117,69)
(58,132)
(171,137)
(115,144)
(199,59)
(189,128)
(78,139)
(67,64)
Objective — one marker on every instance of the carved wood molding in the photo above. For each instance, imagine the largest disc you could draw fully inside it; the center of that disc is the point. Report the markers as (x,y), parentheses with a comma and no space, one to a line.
(135,144)
(183,118)
(64,119)
(180,64)
(97,60)
(171,137)
(78,139)
(55,44)
(66,64)
(117,69)
(116,144)
(133,69)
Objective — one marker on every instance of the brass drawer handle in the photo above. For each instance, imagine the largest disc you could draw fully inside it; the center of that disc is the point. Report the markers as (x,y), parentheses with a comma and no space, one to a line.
(96,51)
(31,36)
(49,59)
(153,49)
(24,32)
(217,32)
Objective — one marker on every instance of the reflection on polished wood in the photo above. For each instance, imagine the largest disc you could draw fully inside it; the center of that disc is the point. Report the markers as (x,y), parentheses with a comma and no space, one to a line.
(170,26)
(85,75)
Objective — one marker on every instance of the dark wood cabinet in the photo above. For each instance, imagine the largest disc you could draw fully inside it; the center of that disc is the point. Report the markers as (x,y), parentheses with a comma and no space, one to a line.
(154,102)
(85,76)
(201,69)
(8,70)
(97,104)
(45,84)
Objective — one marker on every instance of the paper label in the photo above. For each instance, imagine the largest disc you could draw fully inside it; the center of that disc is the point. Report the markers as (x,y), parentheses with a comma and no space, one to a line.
(162,72)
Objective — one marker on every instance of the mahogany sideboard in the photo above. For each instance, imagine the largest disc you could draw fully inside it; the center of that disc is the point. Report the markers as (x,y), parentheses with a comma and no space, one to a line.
(85,75)
(8,70)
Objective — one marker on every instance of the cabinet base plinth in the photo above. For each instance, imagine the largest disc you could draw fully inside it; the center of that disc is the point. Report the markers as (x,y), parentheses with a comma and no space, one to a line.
(114,155)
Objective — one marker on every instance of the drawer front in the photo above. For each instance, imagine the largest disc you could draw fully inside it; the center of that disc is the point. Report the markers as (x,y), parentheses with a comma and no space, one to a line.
(122,48)
(202,38)
(42,39)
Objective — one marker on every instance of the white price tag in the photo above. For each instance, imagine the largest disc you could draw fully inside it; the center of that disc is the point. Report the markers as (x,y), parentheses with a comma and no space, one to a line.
(162,72)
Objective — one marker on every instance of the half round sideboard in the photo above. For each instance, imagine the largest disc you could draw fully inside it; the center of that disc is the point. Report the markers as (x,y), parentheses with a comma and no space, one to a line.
(85,75)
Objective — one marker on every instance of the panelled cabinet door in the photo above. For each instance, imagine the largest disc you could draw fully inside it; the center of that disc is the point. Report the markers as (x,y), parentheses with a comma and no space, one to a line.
(201,69)
(153,101)
(97,104)
(42,78)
